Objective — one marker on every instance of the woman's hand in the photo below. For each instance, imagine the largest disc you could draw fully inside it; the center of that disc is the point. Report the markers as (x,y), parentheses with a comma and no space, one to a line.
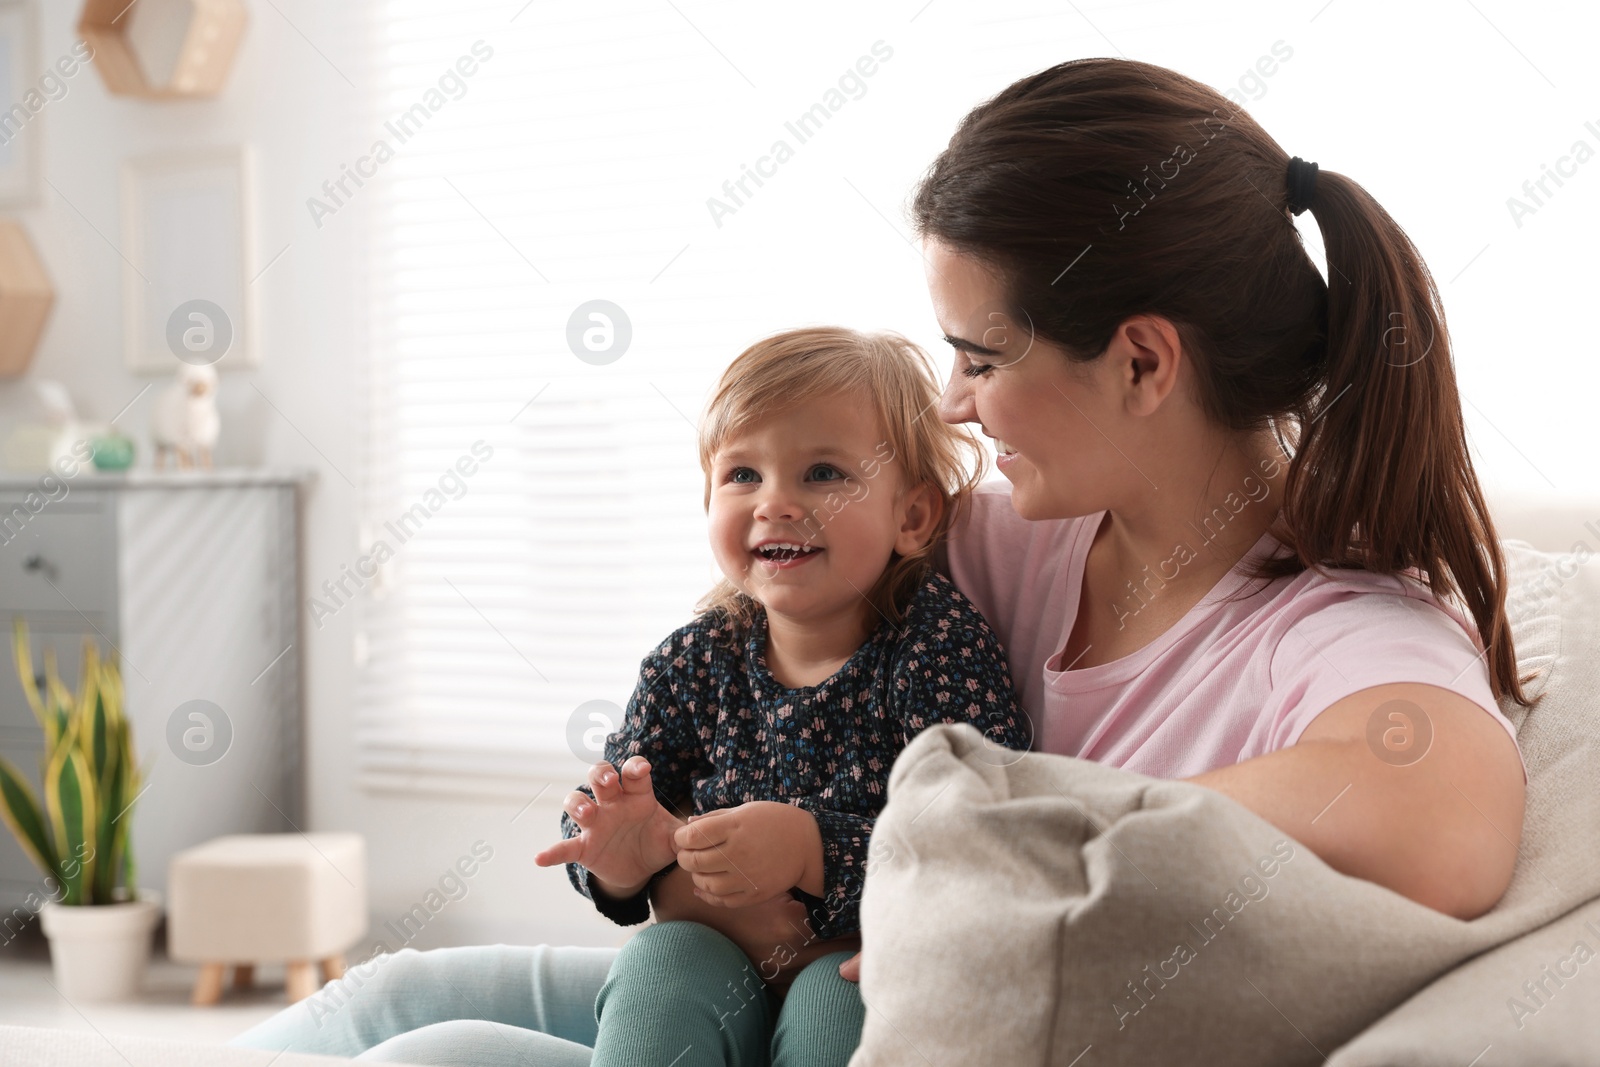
(775,935)
(752,853)
(627,836)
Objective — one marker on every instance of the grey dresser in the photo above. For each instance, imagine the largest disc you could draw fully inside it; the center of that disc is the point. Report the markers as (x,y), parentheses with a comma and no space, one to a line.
(191,581)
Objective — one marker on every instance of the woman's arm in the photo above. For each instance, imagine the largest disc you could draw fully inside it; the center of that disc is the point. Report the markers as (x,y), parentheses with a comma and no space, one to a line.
(1441,829)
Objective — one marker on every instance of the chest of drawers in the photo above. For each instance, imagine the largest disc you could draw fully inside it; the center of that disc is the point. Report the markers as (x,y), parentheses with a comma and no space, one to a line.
(191,583)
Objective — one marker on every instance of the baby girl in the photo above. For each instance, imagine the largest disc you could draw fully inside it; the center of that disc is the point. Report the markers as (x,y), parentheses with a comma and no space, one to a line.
(774,717)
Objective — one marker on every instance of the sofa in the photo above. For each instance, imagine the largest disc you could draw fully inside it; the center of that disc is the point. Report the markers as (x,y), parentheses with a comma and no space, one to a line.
(1457,1018)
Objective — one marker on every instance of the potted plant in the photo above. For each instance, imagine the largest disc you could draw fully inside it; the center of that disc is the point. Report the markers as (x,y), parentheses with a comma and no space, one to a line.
(99,928)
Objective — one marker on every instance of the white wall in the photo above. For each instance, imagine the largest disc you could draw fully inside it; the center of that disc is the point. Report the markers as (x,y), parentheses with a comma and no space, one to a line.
(1441,113)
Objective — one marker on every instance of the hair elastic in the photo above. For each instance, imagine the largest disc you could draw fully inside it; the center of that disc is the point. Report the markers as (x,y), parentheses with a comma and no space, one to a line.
(1302,184)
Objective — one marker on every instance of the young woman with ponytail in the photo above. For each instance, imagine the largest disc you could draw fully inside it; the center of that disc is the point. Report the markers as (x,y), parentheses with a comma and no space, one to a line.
(1243,541)
(1239,540)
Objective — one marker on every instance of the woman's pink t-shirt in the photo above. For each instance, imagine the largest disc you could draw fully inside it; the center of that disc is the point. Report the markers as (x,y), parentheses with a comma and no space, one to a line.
(1228,681)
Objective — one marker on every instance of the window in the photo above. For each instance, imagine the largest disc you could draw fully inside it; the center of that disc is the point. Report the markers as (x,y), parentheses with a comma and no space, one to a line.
(533,522)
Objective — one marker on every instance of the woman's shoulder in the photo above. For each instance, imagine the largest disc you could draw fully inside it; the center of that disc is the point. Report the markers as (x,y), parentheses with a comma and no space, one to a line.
(1342,631)
(1351,621)
(1344,597)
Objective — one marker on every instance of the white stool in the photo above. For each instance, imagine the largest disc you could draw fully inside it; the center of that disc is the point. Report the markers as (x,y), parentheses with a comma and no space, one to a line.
(245,899)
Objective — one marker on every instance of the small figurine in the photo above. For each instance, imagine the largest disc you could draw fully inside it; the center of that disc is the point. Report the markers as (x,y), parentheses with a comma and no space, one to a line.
(185,422)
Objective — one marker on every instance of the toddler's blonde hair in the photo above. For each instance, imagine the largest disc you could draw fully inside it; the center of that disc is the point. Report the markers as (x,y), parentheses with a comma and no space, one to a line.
(897,378)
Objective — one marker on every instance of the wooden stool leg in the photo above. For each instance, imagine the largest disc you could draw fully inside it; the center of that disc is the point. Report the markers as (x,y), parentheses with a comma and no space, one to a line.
(302,980)
(333,968)
(208,987)
(244,975)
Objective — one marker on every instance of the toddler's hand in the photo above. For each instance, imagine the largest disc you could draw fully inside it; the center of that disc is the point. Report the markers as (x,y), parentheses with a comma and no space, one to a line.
(749,854)
(626,835)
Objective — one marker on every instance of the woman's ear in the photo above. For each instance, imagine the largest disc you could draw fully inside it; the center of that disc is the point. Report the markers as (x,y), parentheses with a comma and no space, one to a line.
(1147,352)
(919,511)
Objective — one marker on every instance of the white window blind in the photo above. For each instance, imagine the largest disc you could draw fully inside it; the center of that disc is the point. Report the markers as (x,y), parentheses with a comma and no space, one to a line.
(513,594)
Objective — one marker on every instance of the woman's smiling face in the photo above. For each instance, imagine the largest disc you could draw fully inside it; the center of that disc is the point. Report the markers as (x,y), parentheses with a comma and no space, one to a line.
(1056,420)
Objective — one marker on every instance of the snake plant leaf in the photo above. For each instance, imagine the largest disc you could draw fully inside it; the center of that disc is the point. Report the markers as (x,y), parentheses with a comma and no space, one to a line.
(58,700)
(115,733)
(83,704)
(96,737)
(111,688)
(105,753)
(106,694)
(70,800)
(56,731)
(110,833)
(130,870)
(20,809)
(132,787)
(22,652)
(55,692)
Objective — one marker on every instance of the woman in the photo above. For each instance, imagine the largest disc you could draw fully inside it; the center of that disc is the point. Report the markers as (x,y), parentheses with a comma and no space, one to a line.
(1243,543)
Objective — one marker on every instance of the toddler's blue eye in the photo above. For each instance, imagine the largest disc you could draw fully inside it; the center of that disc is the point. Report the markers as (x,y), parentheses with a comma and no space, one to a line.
(735,475)
(827,470)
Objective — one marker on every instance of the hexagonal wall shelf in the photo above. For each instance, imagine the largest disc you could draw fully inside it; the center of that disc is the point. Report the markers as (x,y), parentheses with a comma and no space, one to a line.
(163,49)
(25,299)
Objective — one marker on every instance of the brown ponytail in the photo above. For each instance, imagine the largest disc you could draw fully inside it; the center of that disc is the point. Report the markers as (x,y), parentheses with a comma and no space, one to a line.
(1105,188)
(1391,465)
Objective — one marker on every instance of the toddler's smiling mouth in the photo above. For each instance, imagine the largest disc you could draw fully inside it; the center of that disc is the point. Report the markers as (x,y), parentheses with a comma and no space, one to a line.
(784,552)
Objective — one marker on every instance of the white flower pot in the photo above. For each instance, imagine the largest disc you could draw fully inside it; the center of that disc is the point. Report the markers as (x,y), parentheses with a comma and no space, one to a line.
(100,952)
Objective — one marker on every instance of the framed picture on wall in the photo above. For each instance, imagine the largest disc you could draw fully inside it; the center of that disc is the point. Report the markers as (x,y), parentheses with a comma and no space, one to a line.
(188,233)
(22,102)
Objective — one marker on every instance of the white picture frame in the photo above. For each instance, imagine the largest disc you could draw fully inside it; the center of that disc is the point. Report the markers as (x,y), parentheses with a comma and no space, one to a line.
(19,124)
(188,233)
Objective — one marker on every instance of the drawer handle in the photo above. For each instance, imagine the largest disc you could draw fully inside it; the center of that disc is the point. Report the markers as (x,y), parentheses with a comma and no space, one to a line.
(37,563)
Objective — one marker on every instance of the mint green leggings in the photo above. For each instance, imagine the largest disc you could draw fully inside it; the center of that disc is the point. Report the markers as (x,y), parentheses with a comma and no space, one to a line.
(679,994)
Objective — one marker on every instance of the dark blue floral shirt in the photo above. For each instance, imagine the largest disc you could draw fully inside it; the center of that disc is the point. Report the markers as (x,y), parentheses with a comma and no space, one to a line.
(720,731)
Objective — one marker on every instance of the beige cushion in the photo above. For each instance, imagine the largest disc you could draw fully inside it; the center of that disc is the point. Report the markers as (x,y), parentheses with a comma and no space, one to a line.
(1026,911)
(263,898)
(1513,1000)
